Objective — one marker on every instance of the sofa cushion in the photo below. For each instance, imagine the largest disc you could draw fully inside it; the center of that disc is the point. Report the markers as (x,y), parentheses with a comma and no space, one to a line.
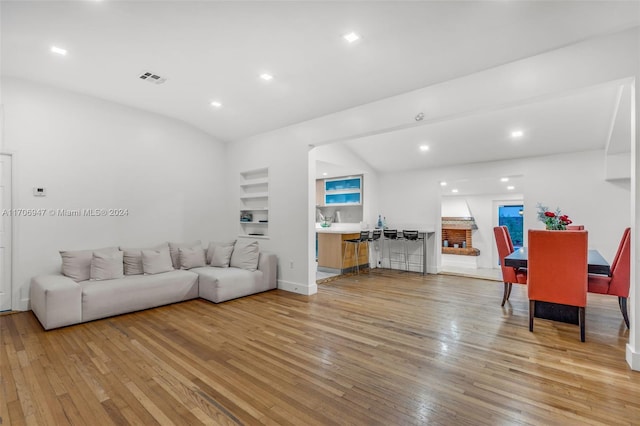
(132,258)
(156,261)
(174,249)
(222,255)
(245,255)
(102,299)
(77,264)
(106,266)
(191,257)
(212,248)
(220,284)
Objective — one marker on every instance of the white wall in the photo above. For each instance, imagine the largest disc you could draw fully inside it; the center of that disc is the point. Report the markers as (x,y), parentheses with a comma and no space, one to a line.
(90,153)
(455,207)
(559,180)
(291,201)
(633,347)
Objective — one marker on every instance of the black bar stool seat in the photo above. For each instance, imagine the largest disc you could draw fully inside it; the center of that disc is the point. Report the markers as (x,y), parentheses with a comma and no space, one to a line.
(410,236)
(364,238)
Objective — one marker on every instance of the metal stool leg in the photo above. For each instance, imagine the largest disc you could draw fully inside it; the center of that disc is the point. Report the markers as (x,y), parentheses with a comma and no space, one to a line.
(344,255)
(406,255)
(357,258)
(356,252)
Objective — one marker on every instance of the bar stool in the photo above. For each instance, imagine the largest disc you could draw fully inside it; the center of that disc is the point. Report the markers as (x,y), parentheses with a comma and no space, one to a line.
(409,237)
(375,236)
(392,235)
(364,238)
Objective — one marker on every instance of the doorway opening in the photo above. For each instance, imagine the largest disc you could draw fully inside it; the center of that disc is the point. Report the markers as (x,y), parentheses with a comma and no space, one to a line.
(5,233)
(512,216)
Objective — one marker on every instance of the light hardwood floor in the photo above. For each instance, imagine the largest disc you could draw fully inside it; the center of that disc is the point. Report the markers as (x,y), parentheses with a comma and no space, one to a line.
(390,348)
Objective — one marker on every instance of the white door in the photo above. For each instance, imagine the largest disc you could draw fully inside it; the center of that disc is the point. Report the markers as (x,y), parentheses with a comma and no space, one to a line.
(5,232)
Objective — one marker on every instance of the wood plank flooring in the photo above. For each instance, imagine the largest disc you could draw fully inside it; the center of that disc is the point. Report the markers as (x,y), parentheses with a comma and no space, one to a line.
(390,348)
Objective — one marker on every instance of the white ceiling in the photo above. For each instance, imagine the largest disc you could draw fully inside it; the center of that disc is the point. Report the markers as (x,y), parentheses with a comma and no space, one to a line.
(327,170)
(215,51)
(565,123)
(484,186)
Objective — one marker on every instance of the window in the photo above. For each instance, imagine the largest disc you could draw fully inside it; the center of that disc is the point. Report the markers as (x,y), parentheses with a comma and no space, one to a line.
(513,218)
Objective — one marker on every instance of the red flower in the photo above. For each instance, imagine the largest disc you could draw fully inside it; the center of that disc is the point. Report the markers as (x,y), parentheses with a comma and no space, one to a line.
(549,214)
(565,219)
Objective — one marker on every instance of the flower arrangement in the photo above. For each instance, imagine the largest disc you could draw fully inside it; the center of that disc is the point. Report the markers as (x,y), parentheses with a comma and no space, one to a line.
(552,220)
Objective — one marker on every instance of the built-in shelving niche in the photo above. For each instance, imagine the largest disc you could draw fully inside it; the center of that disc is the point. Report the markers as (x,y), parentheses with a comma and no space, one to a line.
(254,203)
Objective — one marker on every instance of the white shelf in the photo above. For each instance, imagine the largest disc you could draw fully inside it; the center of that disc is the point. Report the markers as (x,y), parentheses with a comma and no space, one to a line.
(254,182)
(257,237)
(254,203)
(251,175)
(255,195)
(341,191)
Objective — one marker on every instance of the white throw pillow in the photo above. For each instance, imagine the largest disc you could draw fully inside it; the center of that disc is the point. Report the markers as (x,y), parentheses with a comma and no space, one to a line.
(245,255)
(132,258)
(221,255)
(174,249)
(106,266)
(77,264)
(191,257)
(212,248)
(156,261)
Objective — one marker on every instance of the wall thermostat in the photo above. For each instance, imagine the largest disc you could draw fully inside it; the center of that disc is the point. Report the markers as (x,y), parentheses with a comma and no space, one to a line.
(39,192)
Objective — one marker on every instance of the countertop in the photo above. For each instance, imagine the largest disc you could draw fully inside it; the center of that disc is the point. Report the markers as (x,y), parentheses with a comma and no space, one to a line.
(354,228)
(339,228)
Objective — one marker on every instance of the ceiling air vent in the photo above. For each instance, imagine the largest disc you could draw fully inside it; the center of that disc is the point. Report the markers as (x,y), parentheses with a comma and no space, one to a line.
(152,78)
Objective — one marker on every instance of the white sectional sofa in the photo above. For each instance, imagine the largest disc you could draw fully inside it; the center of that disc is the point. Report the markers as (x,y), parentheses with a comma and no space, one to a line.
(83,291)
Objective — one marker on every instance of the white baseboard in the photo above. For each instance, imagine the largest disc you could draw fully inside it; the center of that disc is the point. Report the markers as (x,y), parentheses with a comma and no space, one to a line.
(23,305)
(459,261)
(306,289)
(633,358)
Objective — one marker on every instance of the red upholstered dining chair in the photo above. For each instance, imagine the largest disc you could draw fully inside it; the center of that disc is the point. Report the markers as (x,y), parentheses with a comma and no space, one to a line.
(618,281)
(510,274)
(557,271)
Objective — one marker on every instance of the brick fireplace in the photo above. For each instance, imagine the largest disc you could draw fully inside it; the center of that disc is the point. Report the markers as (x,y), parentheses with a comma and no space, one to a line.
(457,236)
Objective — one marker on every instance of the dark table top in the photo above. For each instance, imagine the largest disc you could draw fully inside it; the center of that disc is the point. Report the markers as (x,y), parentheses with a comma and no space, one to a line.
(596,263)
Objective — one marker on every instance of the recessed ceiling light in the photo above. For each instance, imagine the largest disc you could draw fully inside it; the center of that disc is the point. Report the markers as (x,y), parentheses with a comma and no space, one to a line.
(455,191)
(443,183)
(58,50)
(424,148)
(351,37)
(510,187)
(324,174)
(216,104)
(266,76)
(504,179)
(517,134)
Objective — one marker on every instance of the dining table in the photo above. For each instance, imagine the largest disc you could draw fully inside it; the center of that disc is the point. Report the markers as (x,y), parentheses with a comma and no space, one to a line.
(596,264)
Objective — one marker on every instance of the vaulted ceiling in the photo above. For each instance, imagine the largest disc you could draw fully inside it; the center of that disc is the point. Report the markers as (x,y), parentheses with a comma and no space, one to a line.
(215,51)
